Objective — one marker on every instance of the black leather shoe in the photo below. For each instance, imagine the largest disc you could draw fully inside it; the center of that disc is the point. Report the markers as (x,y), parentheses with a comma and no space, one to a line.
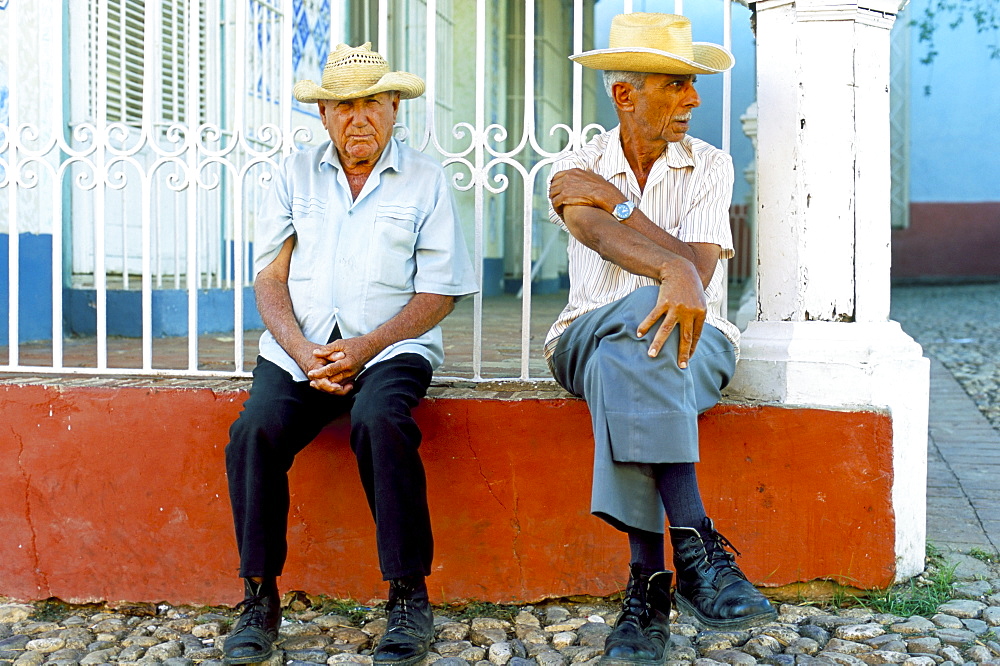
(642,630)
(410,626)
(709,584)
(252,639)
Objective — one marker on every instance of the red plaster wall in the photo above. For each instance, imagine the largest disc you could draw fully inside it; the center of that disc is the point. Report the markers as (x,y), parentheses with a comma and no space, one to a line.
(120,494)
(948,240)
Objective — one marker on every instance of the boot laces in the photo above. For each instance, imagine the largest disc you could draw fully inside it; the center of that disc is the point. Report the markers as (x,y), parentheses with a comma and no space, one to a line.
(635,603)
(402,615)
(253,609)
(715,548)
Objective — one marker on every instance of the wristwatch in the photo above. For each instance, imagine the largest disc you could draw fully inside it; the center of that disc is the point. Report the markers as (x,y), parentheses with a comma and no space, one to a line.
(623,210)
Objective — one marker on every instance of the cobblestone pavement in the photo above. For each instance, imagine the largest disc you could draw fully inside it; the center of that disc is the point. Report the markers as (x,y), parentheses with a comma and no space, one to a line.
(962,631)
(958,327)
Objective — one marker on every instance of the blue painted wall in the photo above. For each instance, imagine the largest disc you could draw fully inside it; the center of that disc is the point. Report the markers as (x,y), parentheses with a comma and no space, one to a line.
(170,307)
(954,140)
(215,306)
(35,278)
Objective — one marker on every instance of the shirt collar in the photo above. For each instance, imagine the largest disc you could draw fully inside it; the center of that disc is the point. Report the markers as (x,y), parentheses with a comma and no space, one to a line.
(388,160)
(678,155)
(614,161)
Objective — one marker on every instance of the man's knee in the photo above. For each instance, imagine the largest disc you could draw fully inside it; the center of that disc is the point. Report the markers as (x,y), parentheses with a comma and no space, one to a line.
(241,441)
(253,434)
(381,414)
(383,429)
(622,329)
(387,396)
(640,303)
(621,322)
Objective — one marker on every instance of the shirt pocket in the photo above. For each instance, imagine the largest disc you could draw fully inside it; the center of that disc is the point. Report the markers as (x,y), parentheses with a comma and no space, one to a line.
(393,246)
(306,255)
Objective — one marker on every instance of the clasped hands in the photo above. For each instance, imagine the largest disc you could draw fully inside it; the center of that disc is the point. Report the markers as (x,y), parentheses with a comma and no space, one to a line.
(333,367)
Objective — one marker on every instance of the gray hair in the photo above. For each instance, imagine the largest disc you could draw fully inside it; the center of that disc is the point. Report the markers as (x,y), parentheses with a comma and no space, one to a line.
(636,79)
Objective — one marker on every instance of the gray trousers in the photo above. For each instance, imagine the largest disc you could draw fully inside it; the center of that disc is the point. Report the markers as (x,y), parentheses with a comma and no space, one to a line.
(644,410)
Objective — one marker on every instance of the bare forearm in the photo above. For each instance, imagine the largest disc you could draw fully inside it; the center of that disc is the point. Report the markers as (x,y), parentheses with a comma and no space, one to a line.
(624,246)
(347,358)
(640,223)
(586,202)
(275,307)
(422,313)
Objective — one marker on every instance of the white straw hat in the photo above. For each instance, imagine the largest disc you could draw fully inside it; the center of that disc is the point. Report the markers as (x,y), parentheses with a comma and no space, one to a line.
(353,72)
(656,44)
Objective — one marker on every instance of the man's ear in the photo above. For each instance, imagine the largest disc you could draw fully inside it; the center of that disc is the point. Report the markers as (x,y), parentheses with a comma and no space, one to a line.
(322,108)
(621,95)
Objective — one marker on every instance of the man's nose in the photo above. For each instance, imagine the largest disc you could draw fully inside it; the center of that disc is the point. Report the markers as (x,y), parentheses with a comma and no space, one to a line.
(692,99)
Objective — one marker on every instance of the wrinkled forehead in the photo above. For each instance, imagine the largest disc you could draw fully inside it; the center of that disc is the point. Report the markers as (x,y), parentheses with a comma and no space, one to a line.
(663,79)
(378,97)
(383,97)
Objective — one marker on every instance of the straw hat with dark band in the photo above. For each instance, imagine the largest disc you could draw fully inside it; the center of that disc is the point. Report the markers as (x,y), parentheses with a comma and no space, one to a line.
(353,72)
(656,44)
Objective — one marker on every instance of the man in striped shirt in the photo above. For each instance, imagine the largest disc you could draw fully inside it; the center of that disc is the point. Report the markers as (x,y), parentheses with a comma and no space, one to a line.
(646,207)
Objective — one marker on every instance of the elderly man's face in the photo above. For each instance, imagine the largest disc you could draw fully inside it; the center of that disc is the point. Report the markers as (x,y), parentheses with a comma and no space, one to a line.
(663,107)
(360,128)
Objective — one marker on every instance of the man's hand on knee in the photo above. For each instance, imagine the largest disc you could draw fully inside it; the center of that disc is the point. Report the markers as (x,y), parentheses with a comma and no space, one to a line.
(681,303)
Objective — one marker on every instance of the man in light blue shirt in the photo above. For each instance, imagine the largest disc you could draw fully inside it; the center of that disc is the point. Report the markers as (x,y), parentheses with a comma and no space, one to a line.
(359,256)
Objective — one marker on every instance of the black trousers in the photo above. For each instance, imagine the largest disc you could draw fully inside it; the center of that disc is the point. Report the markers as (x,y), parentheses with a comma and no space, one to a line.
(282,416)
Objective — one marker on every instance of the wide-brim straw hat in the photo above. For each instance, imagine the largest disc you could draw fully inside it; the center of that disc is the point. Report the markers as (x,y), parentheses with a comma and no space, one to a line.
(656,44)
(353,72)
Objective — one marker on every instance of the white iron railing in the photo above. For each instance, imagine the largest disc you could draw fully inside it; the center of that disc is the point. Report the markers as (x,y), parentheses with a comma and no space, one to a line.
(181,194)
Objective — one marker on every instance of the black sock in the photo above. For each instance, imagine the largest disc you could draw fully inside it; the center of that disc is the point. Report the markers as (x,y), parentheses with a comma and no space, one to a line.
(647,550)
(678,486)
(267,587)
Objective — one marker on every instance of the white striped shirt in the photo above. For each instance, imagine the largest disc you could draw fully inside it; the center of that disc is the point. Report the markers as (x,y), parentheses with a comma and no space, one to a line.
(687,194)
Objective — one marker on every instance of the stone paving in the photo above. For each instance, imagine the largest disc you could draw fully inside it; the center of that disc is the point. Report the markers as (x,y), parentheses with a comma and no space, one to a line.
(963,631)
(959,330)
(957,326)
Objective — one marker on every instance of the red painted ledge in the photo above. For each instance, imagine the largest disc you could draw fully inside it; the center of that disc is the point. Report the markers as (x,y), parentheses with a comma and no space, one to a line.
(120,494)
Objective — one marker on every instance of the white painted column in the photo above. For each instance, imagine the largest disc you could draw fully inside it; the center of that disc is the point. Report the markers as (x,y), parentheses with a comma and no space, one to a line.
(822,335)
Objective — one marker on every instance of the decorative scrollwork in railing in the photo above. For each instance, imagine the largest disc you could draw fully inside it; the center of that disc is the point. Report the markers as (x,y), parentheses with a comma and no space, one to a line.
(87,177)
(115,176)
(121,133)
(193,187)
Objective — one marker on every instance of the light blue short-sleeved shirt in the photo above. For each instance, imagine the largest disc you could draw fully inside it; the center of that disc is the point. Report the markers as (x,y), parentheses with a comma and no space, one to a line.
(357,263)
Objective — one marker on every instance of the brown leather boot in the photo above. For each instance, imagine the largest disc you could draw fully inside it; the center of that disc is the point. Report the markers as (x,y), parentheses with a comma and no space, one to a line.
(709,584)
(642,630)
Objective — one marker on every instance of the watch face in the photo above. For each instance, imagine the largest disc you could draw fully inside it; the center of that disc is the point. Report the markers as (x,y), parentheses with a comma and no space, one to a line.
(624,209)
